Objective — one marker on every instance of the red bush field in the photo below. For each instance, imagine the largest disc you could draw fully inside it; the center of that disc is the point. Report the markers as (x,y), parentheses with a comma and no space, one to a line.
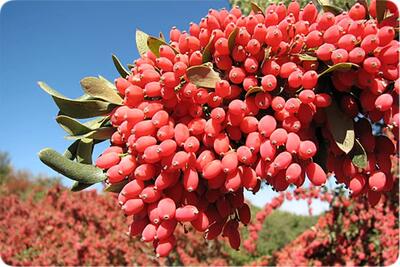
(51,226)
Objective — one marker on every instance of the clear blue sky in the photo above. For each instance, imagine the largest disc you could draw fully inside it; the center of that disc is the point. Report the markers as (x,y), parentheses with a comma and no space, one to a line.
(61,42)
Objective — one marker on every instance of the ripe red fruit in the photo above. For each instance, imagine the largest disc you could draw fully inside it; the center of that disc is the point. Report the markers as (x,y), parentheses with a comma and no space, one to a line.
(108,160)
(244,214)
(233,181)
(384,102)
(229,162)
(376,181)
(181,134)
(356,184)
(164,247)
(150,195)
(278,137)
(372,65)
(244,154)
(166,208)
(186,213)
(293,173)
(268,82)
(316,174)
(190,179)
(166,229)
(201,223)
(307,149)
(309,79)
(114,175)
(133,206)
(237,75)
(339,56)
(282,160)
(212,169)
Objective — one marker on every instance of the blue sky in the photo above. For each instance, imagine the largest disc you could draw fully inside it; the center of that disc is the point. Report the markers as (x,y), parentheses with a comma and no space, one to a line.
(61,42)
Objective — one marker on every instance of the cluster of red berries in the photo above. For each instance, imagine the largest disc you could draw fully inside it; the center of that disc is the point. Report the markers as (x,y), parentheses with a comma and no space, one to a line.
(186,153)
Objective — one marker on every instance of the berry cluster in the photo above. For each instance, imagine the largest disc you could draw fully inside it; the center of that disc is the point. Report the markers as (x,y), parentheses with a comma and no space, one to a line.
(187,152)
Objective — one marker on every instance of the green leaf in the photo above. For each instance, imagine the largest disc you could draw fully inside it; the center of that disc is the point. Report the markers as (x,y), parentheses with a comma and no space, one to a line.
(305,57)
(85,97)
(70,152)
(154,43)
(342,128)
(72,126)
(97,122)
(203,76)
(84,173)
(101,89)
(101,133)
(162,37)
(333,9)
(207,51)
(253,90)
(232,38)
(80,109)
(84,151)
(339,66)
(380,10)
(359,156)
(121,69)
(115,188)
(141,42)
(78,186)
(256,9)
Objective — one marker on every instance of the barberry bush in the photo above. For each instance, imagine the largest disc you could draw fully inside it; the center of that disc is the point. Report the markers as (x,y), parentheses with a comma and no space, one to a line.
(280,96)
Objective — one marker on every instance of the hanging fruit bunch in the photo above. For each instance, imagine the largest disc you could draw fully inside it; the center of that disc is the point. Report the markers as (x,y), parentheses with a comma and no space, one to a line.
(277,97)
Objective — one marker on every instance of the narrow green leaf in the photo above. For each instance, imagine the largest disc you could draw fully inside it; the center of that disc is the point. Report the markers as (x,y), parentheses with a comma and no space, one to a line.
(97,122)
(78,186)
(79,109)
(232,38)
(101,133)
(115,188)
(203,76)
(84,151)
(359,156)
(162,37)
(70,152)
(380,10)
(84,173)
(101,89)
(305,57)
(339,66)
(85,97)
(131,66)
(341,127)
(141,42)
(121,69)
(72,126)
(256,8)
(207,51)
(154,43)
(331,8)
(253,90)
